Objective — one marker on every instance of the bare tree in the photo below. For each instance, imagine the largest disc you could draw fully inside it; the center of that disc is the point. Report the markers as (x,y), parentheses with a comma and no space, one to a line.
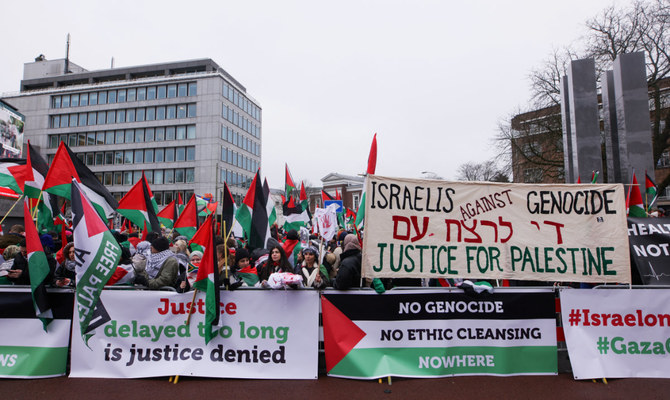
(545,80)
(484,171)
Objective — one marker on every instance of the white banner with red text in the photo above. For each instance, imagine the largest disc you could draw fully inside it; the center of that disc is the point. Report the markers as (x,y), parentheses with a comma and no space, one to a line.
(261,335)
(435,229)
(617,333)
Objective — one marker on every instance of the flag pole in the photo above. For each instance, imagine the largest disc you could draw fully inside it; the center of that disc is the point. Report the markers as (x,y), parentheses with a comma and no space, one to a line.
(37,204)
(10,210)
(225,253)
(190,309)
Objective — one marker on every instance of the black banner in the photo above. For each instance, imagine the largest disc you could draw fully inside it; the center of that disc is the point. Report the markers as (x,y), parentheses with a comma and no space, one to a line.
(650,249)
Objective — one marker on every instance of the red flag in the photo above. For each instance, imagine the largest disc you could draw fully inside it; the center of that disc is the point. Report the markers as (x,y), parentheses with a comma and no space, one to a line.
(144,232)
(372,158)
(325,196)
(303,192)
(337,195)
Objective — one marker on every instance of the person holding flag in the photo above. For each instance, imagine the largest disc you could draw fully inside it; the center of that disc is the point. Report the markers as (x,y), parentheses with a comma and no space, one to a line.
(162,267)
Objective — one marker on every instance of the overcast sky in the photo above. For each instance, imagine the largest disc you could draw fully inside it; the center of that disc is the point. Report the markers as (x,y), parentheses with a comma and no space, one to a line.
(431,78)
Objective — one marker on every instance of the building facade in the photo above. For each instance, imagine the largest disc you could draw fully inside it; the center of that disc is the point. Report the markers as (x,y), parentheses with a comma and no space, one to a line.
(188,125)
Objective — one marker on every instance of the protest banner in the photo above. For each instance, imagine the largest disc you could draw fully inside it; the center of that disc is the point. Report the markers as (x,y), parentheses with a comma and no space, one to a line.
(414,333)
(435,229)
(650,249)
(261,334)
(27,351)
(617,333)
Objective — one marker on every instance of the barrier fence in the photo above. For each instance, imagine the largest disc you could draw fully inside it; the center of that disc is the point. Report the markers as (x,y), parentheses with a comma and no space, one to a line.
(610,331)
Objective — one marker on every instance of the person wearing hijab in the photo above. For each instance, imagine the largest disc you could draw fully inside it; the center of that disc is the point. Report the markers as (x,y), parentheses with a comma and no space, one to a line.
(349,273)
(313,275)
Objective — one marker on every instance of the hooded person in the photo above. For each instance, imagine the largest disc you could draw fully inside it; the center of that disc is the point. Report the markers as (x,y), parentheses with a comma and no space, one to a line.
(313,274)
(162,267)
(349,273)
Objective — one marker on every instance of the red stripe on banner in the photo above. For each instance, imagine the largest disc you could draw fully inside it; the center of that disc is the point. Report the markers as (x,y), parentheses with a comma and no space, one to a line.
(557,301)
(560,335)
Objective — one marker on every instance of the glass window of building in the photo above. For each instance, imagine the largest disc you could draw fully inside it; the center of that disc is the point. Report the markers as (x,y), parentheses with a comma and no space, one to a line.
(90,139)
(111,96)
(118,137)
(190,175)
(65,101)
(118,157)
(151,113)
(121,96)
(102,117)
(55,102)
(111,116)
(149,155)
(140,114)
(92,118)
(130,115)
(171,91)
(158,177)
(160,113)
(55,121)
(149,135)
(169,154)
(190,153)
(179,175)
(132,93)
(98,176)
(109,157)
(90,159)
(127,178)
(169,133)
(169,176)
(191,111)
(102,97)
(139,156)
(171,112)
(64,121)
(181,132)
(83,99)
(93,98)
(128,157)
(81,139)
(190,132)
(150,176)
(99,138)
(108,178)
(160,134)
(130,135)
(158,196)
(73,120)
(109,137)
(118,178)
(141,94)
(180,154)
(83,119)
(159,155)
(182,90)
(181,111)
(162,92)
(120,116)
(151,93)
(139,135)
(192,89)
(53,141)
(167,196)
(137,175)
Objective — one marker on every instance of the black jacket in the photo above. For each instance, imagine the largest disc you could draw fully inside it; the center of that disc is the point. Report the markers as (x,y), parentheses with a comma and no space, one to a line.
(349,274)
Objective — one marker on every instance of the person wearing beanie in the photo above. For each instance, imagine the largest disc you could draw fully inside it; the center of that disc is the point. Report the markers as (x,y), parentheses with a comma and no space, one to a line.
(313,274)
(349,273)
(162,267)
(244,274)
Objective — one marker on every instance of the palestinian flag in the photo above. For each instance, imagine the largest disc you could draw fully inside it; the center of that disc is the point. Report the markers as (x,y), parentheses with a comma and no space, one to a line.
(138,208)
(337,195)
(249,275)
(252,215)
(650,190)
(12,176)
(372,166)
(123,275)
(168,215)
(269,204)
(325,197)
(228,209)
(292,247)
(594,176)
(65,167)
(289,186)
(207,280)
(295,216)
(38,269)
(303,200)
(634,205)
(48,207)
(187,223)
(97,255)
(204,206)
(350,216)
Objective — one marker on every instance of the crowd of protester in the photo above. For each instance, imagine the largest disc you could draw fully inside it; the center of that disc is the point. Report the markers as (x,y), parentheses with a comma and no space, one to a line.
(161,260)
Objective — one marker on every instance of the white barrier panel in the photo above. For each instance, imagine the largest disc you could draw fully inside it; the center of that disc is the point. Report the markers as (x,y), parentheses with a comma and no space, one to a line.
(617,333)
(261,335)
